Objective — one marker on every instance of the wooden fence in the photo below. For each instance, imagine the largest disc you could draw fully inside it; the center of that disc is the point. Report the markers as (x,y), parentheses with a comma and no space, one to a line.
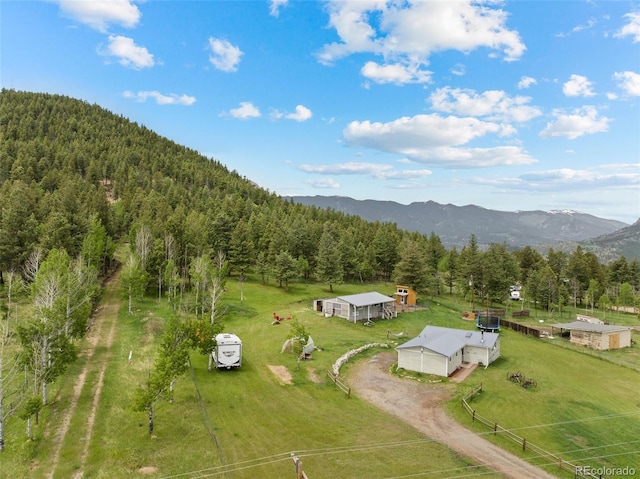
(577,471)
(339,383)
(521,328)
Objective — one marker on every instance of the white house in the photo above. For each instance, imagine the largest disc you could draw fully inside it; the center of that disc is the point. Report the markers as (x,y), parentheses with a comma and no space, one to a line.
(358,307)
(442,351)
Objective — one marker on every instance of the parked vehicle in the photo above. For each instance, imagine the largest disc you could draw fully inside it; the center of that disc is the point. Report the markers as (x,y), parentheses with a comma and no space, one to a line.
(227,352)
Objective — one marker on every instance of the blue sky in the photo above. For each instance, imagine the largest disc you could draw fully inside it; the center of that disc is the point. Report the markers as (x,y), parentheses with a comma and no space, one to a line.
(520,105)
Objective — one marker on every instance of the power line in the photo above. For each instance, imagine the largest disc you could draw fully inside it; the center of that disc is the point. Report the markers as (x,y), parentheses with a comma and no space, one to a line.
(595,418)
(259,462)
(483,473)
(279,457)
(236,466)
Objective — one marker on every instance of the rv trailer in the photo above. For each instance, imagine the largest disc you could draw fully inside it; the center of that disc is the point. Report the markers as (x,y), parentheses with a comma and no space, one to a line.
(227,352)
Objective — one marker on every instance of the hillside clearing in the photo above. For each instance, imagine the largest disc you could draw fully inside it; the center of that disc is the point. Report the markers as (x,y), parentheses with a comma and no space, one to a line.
(228,422)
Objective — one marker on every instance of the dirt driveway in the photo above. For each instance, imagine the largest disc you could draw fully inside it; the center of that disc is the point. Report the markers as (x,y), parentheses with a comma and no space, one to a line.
(420,405)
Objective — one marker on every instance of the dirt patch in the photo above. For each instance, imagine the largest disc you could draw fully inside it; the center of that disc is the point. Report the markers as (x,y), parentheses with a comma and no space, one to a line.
(579,441)
(148,470)
(282,374)
(421,406)
(152,327)
(102,332)
(313,375)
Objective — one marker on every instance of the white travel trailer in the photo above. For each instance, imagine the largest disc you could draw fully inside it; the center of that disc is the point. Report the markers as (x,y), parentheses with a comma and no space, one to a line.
(227,352)
(514,292)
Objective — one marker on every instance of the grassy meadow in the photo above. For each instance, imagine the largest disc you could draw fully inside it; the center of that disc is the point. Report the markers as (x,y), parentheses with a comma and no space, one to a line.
(246,424)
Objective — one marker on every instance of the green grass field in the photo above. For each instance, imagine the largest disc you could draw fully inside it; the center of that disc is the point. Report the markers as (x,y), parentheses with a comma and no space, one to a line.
(245,424)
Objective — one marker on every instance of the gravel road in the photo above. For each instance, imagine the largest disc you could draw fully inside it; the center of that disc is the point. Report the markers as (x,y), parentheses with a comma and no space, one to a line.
(420,405)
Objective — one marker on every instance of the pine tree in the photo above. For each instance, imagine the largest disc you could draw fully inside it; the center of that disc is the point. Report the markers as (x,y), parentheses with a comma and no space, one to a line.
(328,264)
(412,268)
(133,279)
(285,269)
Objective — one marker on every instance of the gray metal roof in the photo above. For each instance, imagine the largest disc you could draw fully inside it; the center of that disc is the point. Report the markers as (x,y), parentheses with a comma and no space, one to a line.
(446,341)
(366,299)
(591,327)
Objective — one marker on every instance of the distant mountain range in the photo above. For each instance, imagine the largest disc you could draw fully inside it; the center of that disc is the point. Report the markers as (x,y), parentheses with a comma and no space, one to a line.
(455,224)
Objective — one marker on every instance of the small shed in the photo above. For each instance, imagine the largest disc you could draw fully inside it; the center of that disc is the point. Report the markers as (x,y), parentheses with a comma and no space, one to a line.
(596,336)
(358,307)
(405,296)
(442,351)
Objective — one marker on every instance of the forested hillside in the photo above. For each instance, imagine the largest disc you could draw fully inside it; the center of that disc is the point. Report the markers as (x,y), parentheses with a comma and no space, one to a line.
(69,169)
(64,161)
(624,242)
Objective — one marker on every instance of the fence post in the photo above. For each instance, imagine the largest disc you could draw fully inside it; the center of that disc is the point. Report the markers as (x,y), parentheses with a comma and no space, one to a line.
(524,444)
(495,428)
(473,416)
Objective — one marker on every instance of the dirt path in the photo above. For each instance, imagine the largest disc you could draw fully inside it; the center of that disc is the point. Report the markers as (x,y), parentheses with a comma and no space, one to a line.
(101,333)
(420,405)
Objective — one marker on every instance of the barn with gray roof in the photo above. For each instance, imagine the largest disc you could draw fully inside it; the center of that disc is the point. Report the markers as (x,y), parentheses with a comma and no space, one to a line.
(358,307)
(596,336)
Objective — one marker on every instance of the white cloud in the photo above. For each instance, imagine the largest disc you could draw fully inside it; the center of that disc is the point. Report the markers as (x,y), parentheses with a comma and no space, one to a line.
(525,82)
(412,185)
(458,70)
(374,170)
(493,104)
(129,54)
(420,131)
(564,178)
(224,56)
(302,114)
(323,183)
(98,14)
(395,73)
(632,28)
(406,174)
(436,140)
(606,179)
(629,82)
(171,99)
(578,28)
(407,33)
(590,24)
(245,111)
(350,168)
(582,121)
(275,6)
(578,85)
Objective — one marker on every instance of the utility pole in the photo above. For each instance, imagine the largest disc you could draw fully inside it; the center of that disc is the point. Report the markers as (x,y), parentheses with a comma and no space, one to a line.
(473,303)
